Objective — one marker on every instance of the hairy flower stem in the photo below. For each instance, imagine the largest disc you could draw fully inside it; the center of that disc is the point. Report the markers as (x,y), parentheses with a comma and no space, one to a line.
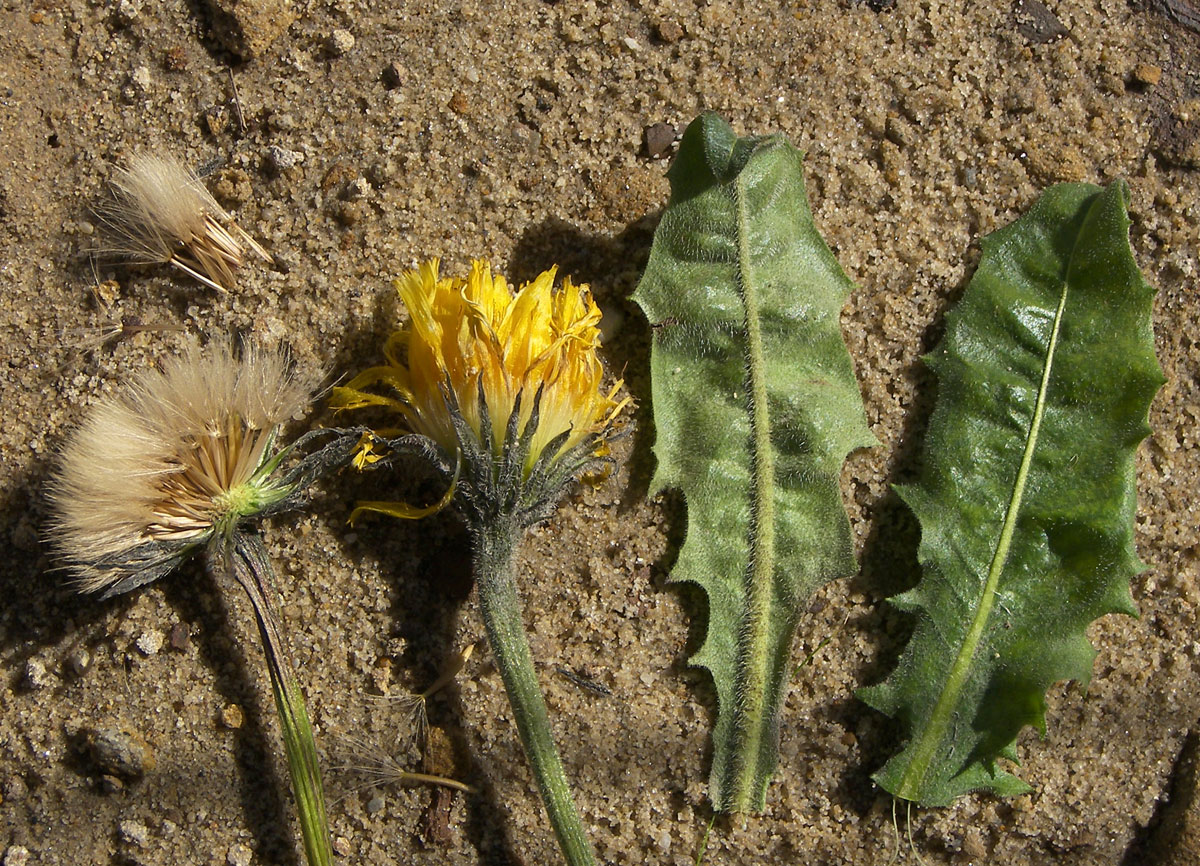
(494,564)
(241,555)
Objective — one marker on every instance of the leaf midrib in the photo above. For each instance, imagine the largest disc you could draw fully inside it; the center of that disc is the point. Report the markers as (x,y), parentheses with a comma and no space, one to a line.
(934,732)
(751,695)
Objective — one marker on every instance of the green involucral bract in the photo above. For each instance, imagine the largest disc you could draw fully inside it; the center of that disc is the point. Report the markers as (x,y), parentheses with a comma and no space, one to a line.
(756,407)
(1026,499)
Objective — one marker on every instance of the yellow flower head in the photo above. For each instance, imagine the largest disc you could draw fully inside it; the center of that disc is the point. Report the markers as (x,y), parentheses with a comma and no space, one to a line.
(495,351)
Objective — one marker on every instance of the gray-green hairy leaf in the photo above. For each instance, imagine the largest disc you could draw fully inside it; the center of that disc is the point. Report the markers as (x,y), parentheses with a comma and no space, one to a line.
(1026,499)
(756,406)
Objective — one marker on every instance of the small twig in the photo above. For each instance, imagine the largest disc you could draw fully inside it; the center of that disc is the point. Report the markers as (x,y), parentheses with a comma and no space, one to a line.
(584,682)
(237,102)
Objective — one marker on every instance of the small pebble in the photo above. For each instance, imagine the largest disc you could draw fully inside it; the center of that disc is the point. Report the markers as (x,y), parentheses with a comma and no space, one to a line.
(78,662)
(134,832)
(36,677)
(1147,74)
(668,31)
(281,159)
(120,753)
(631,43)
(128,11)
(111,785)
(16,855)
(658,138)
(181,637)
(341,846)
(232,717)
(529,139)
(359,188)
(340,42)
(216,119)
(375,805)
(141,78)
(248,28)
(15,790)
(393,75)
(149,643)
(239,855)
(175,59)
(458,103)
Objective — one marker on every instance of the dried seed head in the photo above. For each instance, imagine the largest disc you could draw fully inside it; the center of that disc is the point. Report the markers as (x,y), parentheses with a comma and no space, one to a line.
(183,452)
(160,212)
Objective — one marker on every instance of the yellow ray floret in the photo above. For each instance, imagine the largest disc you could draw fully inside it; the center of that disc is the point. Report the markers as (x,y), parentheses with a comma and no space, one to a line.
(477,332)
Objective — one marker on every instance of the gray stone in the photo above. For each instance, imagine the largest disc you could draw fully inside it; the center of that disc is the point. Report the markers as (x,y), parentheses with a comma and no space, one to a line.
(16,855)
(281,159)
(659,138)
(36,676)
(134,832)
(120,753)
(181,637)
(78,662)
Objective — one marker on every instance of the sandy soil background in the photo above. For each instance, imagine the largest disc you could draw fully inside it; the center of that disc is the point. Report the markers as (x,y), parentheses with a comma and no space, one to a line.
(373,139)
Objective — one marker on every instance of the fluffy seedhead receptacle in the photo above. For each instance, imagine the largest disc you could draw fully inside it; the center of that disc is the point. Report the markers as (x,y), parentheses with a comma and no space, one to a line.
(160,213)
(179,454)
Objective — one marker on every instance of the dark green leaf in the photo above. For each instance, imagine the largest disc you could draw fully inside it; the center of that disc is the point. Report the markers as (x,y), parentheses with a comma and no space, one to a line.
(1026,499)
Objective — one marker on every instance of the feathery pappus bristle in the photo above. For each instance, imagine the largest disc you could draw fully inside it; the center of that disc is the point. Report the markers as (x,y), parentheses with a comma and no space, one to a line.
(157,468)
(161,213)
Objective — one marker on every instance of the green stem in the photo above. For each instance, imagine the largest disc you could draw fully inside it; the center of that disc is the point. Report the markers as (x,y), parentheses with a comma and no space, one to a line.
(494,562)
(244,558)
